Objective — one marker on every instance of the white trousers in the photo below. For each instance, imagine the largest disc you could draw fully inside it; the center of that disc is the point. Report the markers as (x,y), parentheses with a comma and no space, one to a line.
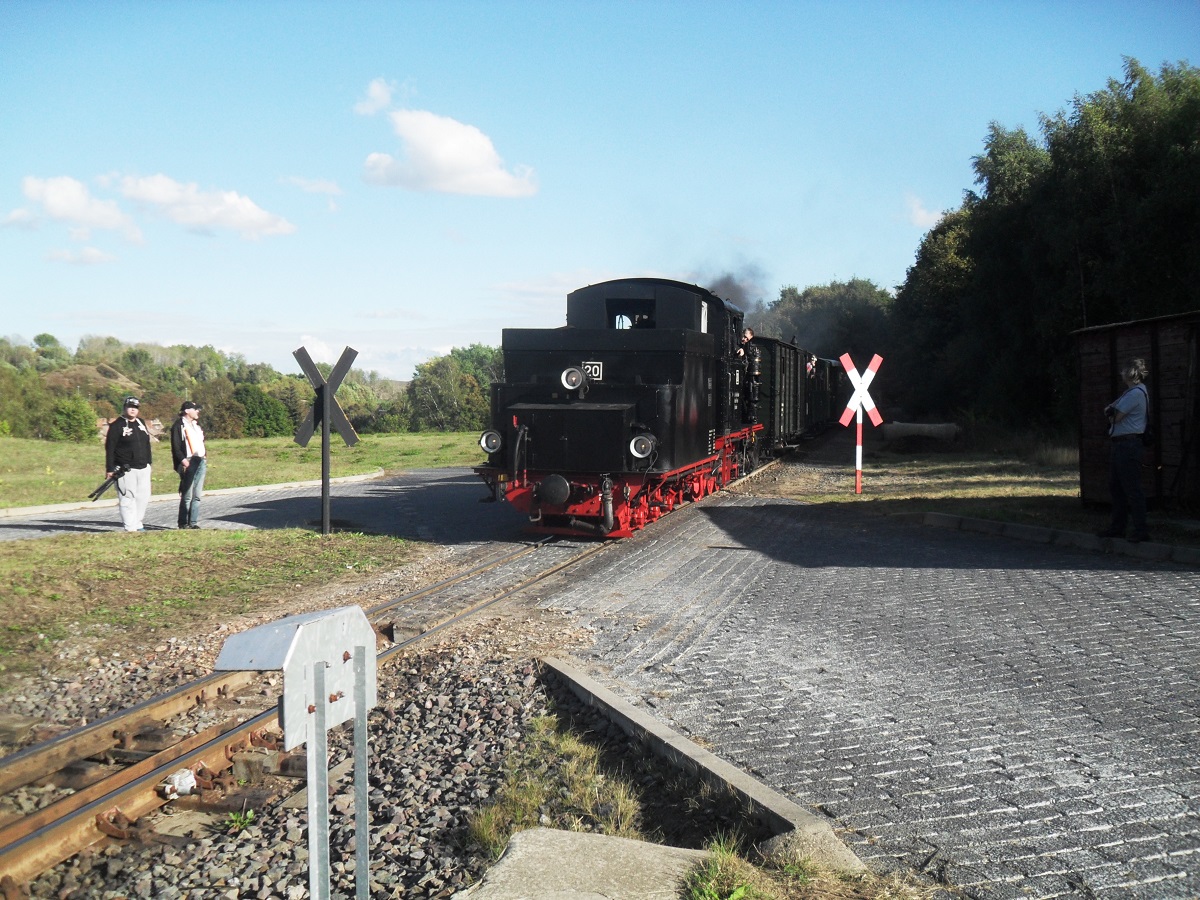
(133,493)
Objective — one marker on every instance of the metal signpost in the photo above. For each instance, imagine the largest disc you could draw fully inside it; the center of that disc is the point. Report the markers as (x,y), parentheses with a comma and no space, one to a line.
(328,663)
(858,400)
(325,411)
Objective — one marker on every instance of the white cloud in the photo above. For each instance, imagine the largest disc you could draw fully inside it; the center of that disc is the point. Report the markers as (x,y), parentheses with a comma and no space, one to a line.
(315,185)
(318,186)
(88,256)
(203,211)
(319,351)
(446,156)
(918,215)
(19,218)
(67,199)
(399,314)
(379,96)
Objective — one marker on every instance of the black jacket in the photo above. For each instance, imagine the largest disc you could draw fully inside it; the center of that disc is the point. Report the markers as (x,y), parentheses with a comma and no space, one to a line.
(179,447)
(127,444)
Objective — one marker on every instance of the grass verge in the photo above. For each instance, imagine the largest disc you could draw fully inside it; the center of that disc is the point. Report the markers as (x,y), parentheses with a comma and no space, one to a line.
(558,779)
(35,473)
(131,587)
(1036,484)
(728,875)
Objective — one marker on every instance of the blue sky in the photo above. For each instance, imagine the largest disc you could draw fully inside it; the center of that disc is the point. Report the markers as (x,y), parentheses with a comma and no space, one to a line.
(408,177)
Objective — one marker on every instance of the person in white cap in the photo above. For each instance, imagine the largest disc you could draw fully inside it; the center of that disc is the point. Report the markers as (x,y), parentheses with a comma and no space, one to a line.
(127,456)
(191,462)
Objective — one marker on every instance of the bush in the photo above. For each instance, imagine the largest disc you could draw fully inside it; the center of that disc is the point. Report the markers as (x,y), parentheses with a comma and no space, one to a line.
(265,416)
(72,419)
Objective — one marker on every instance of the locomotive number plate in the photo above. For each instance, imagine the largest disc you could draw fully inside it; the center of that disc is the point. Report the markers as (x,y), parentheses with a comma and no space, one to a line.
(594,371)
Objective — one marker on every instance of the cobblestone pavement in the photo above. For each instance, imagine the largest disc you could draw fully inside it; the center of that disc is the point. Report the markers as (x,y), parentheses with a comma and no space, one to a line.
(426,504)
(1012,719)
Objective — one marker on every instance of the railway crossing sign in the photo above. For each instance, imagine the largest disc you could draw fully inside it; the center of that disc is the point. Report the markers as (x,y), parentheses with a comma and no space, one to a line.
(325,412)
(860,400)
(329,677)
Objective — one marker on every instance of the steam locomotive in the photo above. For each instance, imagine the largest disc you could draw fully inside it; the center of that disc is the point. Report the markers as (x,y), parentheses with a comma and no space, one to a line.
(646,399)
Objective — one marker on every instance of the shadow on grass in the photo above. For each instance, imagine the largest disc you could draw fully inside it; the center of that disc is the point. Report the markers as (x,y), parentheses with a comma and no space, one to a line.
(1059,513)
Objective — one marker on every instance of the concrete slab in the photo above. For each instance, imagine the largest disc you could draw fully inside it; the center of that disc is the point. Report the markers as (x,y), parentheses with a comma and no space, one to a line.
(1034,533)
(943,520)
(983,526)
(1188,556)
(546,864)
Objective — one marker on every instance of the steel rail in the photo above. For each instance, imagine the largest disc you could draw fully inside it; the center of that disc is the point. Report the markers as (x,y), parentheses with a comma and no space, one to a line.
(59,838)
(41,760)
(43,839)
(37,761)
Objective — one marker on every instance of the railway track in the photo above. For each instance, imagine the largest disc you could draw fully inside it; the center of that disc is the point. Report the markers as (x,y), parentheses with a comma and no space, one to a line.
(140,751)
(100,805)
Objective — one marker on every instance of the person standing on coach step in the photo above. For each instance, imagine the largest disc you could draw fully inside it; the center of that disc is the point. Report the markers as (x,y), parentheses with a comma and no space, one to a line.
(750,357)
(127,446)
(191,462)
(1128,416)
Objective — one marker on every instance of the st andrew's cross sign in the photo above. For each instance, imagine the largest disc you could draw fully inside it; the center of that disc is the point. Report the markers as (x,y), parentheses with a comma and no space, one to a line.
(325,412)
(859,401)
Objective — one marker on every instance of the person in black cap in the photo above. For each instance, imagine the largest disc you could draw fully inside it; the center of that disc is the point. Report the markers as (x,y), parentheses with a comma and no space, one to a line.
(750,357)
(127,455)
(191,462)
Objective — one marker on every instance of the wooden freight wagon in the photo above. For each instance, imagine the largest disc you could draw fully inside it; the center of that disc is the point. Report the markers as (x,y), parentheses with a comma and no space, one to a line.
(1169,345)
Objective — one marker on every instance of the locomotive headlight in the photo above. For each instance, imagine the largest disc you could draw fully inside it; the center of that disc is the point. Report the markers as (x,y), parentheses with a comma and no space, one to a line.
(643,445)
(572,378)
(490,441)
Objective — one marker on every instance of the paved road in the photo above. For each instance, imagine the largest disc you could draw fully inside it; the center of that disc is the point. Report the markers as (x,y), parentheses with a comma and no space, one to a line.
(1012,718)
(439,505)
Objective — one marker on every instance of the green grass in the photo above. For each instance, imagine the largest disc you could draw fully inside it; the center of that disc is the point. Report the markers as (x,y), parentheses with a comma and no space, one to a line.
(727,875)
(560,775)
(33,473)
(128,589)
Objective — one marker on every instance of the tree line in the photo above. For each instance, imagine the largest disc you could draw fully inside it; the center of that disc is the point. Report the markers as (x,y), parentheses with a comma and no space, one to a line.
(1095,221)
(52,392)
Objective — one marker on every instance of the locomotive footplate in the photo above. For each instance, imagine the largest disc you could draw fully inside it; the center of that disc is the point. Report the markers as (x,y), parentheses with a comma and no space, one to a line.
(616,505)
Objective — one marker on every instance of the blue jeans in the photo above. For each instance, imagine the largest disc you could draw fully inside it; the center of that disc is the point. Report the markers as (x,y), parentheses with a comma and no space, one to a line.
(191,490)
(1125,485)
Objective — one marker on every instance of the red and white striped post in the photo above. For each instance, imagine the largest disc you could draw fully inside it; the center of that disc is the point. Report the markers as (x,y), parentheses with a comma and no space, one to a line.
(858,400)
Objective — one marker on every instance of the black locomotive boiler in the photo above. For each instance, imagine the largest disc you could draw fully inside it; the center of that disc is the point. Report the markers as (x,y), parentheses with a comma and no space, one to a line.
(640,403)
